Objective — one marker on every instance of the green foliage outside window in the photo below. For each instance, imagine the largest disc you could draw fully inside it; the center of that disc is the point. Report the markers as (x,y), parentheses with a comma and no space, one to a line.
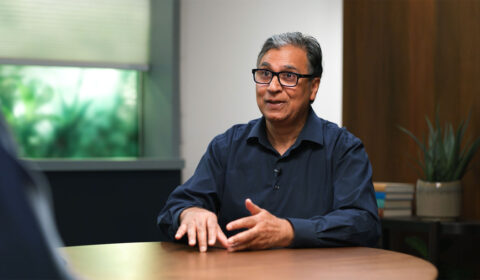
(66,112)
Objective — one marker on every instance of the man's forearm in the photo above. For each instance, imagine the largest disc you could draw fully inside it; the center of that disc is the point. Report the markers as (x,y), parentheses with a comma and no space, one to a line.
(346,227)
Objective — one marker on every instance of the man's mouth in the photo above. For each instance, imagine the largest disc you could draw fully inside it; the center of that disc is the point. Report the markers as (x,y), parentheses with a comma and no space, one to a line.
(274,101)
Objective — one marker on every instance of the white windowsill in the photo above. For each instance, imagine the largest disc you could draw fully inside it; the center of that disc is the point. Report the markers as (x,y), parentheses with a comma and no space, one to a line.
(104,164)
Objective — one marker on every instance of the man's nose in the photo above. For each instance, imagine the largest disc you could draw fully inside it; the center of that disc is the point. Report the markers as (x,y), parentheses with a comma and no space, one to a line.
(275,84)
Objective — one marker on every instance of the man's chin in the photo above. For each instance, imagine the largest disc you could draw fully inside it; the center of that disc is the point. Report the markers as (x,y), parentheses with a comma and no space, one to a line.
(274,118)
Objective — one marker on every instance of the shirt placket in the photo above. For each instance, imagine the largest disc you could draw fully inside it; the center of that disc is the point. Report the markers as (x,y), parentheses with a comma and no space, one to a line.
(277,173)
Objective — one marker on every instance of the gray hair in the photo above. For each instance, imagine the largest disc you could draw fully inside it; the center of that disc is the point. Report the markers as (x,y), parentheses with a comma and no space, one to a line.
(308,43)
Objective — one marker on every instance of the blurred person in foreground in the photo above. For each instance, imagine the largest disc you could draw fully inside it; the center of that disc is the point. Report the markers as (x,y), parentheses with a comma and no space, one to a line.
(287,179)
(29,240)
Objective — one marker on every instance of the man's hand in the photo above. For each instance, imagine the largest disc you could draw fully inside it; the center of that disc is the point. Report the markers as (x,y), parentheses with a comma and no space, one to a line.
(200,224)
(264,230)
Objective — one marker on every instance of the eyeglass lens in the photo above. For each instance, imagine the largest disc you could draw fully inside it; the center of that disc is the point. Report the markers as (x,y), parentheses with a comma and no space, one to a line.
(266,76)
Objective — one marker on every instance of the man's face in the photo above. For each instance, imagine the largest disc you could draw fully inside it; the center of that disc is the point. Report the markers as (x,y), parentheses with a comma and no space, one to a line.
(280,104)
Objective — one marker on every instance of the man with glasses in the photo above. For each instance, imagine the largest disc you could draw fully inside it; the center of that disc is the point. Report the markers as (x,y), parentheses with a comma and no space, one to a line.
(288,179)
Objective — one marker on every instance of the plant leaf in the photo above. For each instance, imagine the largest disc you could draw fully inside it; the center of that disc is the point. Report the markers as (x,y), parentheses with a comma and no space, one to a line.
(470,152)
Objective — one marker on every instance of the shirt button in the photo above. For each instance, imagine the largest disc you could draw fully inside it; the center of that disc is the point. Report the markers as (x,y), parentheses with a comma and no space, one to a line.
(276,187)
(276,171)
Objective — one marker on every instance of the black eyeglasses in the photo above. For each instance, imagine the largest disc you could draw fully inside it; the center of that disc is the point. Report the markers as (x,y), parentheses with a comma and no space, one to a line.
(286,79)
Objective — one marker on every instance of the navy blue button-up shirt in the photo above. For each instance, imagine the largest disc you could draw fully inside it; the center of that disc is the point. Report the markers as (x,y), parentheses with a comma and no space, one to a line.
(322,184)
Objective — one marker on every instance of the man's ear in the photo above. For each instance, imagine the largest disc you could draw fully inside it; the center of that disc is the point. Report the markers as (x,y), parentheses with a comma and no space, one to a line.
(314,85)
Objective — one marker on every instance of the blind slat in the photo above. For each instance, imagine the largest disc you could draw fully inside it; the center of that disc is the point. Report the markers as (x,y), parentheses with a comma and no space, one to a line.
(100,32)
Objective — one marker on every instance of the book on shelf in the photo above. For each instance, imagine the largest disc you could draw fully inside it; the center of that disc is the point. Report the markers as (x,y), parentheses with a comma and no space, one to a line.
(386,213)
(394,199)
(392,204)
(393,196)
(393,187)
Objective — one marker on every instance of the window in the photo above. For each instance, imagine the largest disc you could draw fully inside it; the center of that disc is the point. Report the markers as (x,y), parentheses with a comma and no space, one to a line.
(115,63)
(71,112)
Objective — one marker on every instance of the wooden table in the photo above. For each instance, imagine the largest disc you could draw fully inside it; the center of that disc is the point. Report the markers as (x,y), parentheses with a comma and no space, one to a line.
(161,260)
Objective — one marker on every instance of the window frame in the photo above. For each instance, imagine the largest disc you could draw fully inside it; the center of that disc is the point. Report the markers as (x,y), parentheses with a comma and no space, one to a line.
(159,131)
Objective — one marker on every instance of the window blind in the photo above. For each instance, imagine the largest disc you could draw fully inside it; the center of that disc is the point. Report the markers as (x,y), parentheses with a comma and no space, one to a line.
(91,33)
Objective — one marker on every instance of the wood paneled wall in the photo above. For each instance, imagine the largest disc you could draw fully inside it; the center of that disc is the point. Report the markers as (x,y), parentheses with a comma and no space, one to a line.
(401,57)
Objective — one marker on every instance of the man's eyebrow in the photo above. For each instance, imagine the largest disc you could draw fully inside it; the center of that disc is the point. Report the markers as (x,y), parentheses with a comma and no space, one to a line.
(265,64)
(290,67)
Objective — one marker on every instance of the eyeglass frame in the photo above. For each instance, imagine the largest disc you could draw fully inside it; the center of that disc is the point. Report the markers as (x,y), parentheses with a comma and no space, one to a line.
(277,74)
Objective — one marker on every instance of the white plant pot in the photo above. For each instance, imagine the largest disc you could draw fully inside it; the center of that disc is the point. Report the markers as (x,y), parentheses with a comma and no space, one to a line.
(438,199)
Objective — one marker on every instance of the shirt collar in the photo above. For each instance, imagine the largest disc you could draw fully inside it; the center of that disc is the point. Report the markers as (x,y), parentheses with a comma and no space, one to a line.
(312,130)
(259,133)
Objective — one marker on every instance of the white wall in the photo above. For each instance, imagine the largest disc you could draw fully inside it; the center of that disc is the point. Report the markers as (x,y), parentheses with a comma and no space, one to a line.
(220,41)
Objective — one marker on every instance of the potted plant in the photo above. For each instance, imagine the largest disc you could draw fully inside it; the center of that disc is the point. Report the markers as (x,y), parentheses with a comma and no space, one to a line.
(443,162)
